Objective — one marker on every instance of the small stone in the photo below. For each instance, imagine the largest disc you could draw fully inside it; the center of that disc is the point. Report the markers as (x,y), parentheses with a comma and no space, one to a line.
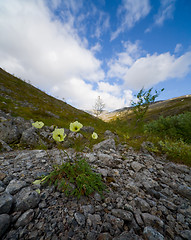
(94,219)
(136,166)
(186,234)
(104,236)
(153,221)
(25,218)
(120,213)
(91,236)
(6,201)
(4,223)
(26,199)
(14,186)
(117,222)
(2,176)
(88,209)
(97,197)
(142,204)
(106,145)
(184,191)
(80,218)
(127,236)
(151,234)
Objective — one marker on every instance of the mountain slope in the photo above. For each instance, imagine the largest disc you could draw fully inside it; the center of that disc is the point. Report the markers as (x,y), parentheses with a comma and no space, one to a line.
(164,108)
(22,99)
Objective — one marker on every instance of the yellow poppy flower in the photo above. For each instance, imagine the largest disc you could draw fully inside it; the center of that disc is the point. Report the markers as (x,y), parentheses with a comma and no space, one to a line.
(75,126)
(94,135)
(38,124)
(59,135)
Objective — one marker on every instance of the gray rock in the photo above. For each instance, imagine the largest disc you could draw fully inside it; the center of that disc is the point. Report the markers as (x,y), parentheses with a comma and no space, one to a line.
(87,129)
(80,218)
(6,201)
(88,209)
(120,213)
(26,199)
(151,234)
(104,236)
(90,157)
(25,218)
(184,191)
(30,138)
(109,134)
(106,159)
(4,223)
(105,145)
(4,146)
(94,219)
(91,235)
(186,234)
(136,166)
(97,196)
(153,221)
(9,132)
(128,236)
(104,172)
(14,186)
(176,168)
(115,221)
(142,204)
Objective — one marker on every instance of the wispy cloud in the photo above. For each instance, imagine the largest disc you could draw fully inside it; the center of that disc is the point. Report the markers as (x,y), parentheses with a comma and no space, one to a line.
(165,12)
(119,64)
(178,48)
(130,12)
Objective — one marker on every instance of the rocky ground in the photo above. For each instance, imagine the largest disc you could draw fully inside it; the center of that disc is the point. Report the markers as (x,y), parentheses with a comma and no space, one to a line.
(148,197)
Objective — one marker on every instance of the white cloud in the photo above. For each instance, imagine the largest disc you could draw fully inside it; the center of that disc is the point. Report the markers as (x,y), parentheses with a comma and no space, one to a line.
(131,11)
(178,48)
(138,70)
(152,69)
(118,66)
(36,46)
(112,89)
(96,48)
(166,11)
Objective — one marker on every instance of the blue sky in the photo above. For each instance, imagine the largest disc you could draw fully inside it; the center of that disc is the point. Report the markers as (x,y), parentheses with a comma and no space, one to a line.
(81,49)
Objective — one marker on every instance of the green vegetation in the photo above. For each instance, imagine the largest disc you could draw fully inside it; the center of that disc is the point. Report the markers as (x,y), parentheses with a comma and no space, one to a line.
(175,127)
(144,99)
(24,100)
(76,178)
(170,133)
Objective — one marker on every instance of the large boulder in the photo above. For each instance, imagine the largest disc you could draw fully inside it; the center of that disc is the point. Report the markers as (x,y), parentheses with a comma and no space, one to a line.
(9,132)
(105,145)
(31,138)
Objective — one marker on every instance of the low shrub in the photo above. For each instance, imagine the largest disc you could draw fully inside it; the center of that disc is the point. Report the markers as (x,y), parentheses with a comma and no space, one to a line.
(175,127)
(76,179)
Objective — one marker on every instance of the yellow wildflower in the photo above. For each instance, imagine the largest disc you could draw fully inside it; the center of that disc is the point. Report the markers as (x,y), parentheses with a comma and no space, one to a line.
(59,135)
(75,126)
(38,124)
(94,135)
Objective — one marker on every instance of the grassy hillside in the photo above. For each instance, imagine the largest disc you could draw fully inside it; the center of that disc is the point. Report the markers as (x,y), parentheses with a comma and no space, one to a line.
(22,99)
(165,108)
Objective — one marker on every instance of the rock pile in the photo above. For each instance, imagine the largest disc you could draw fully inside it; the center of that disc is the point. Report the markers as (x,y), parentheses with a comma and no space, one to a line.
(147,198)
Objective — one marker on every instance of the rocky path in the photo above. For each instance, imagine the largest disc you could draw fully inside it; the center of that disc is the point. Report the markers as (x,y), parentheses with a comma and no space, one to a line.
(148,198)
